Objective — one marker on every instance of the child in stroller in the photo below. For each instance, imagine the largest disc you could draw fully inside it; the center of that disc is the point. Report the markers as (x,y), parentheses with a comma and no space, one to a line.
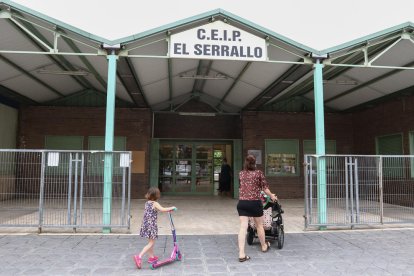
(272,222)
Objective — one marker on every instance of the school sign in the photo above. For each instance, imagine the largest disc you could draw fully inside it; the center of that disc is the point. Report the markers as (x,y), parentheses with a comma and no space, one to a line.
(218,40)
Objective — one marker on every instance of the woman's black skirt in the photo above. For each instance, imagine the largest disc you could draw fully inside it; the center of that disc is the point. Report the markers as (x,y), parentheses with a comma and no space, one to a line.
(250,208)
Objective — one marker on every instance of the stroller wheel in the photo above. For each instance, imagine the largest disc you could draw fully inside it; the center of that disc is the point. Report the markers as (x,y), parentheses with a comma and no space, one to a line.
(280,236)
(250,235)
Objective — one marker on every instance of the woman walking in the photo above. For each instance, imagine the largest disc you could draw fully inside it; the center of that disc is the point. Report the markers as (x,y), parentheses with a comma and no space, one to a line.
(252,183)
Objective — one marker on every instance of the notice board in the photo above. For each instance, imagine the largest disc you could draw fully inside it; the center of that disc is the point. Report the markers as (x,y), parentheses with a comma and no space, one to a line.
(138,162)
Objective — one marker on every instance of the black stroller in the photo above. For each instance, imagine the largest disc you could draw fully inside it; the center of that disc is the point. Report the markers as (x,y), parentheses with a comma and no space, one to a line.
(272,223)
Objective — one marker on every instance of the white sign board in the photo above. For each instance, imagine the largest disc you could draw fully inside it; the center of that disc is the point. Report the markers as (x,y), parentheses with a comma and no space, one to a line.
(218,40)
(124,160)
(53,159)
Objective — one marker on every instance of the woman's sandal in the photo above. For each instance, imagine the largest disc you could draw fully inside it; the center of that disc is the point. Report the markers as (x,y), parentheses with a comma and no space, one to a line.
(267,248)
(246,258)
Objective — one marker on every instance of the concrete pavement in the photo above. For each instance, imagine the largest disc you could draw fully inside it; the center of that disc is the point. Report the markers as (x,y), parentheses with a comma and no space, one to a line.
(207,229)
(350,252)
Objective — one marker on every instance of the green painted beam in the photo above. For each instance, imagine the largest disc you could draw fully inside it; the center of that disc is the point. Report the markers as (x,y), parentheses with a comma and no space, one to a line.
(320,142)
(109,141)
(332,72)
(170,88)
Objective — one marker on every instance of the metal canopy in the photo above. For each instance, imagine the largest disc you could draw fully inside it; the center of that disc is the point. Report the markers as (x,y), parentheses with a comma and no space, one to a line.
(46,62)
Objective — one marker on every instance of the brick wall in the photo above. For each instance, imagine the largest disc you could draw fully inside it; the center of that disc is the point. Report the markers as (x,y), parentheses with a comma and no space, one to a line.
(258,126)
(197,127)
(392,117)
(135,124)
(353,133)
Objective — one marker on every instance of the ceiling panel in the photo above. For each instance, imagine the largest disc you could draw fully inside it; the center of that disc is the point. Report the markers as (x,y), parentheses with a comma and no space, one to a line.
(363,75)
(242,94)
(217,88)
(8,72)
(181,86)
(275,53)
(401,80)
(228,67)
(157,92)
(181,66)
(361,96)
(262,74)
(159,48)
(121,92)
(12,39)
(30,88)
(150,70)
(399,55)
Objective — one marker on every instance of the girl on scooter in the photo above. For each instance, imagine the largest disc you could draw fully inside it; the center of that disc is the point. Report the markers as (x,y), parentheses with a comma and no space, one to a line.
(149,227)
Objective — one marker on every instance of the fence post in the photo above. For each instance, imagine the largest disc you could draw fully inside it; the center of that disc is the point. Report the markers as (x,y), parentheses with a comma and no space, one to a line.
(356,190)
(307,173)
(380,176)
(129,192)
(42,191)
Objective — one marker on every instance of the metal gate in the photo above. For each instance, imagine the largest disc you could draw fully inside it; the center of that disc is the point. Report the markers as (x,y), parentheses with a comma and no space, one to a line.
(63,189)
(358,190)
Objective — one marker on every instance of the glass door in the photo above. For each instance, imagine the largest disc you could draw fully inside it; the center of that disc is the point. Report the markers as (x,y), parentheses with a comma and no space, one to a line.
(190,167)
(204,168)
(186,167)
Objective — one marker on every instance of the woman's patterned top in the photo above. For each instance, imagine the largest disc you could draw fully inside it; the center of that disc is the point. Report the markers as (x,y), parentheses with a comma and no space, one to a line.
(251,184)
(149,227)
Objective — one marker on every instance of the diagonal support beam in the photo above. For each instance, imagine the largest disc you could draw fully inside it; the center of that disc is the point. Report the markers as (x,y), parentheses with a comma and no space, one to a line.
(84,60)
(241,73)
(393,72)
(60,61)
(32,35)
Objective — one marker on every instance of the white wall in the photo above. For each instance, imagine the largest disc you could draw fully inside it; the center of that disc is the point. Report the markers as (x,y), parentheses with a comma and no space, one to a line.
(8,127)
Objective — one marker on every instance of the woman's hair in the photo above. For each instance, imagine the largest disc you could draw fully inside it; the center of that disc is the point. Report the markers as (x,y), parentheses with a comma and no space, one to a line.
(249,163)
(153,194)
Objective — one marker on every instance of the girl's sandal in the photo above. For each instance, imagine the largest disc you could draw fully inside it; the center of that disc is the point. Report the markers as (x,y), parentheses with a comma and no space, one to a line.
(267,248)
(138,261)
(246,258)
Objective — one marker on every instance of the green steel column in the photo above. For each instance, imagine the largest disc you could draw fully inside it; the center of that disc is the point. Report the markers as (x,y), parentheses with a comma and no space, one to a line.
(109,141)
(320,140)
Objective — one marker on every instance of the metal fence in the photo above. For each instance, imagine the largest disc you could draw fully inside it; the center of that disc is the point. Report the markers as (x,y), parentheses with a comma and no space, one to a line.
(63,189)
(358,190)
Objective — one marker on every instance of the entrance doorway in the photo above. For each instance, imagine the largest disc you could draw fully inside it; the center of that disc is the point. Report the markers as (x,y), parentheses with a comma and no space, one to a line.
(191,167)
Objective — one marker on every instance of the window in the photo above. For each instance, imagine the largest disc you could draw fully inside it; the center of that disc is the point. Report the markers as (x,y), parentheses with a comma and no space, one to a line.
(391,145)
(282,157)
(64,142)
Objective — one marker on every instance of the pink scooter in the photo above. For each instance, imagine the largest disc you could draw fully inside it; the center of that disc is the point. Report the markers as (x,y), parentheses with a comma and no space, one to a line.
(175,254)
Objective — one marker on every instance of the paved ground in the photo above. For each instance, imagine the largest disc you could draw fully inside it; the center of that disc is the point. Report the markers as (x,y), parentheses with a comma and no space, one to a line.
(356,252)
(207,230)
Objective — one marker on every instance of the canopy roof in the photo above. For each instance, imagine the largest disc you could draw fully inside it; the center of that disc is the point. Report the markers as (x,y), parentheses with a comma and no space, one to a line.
(46,62)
